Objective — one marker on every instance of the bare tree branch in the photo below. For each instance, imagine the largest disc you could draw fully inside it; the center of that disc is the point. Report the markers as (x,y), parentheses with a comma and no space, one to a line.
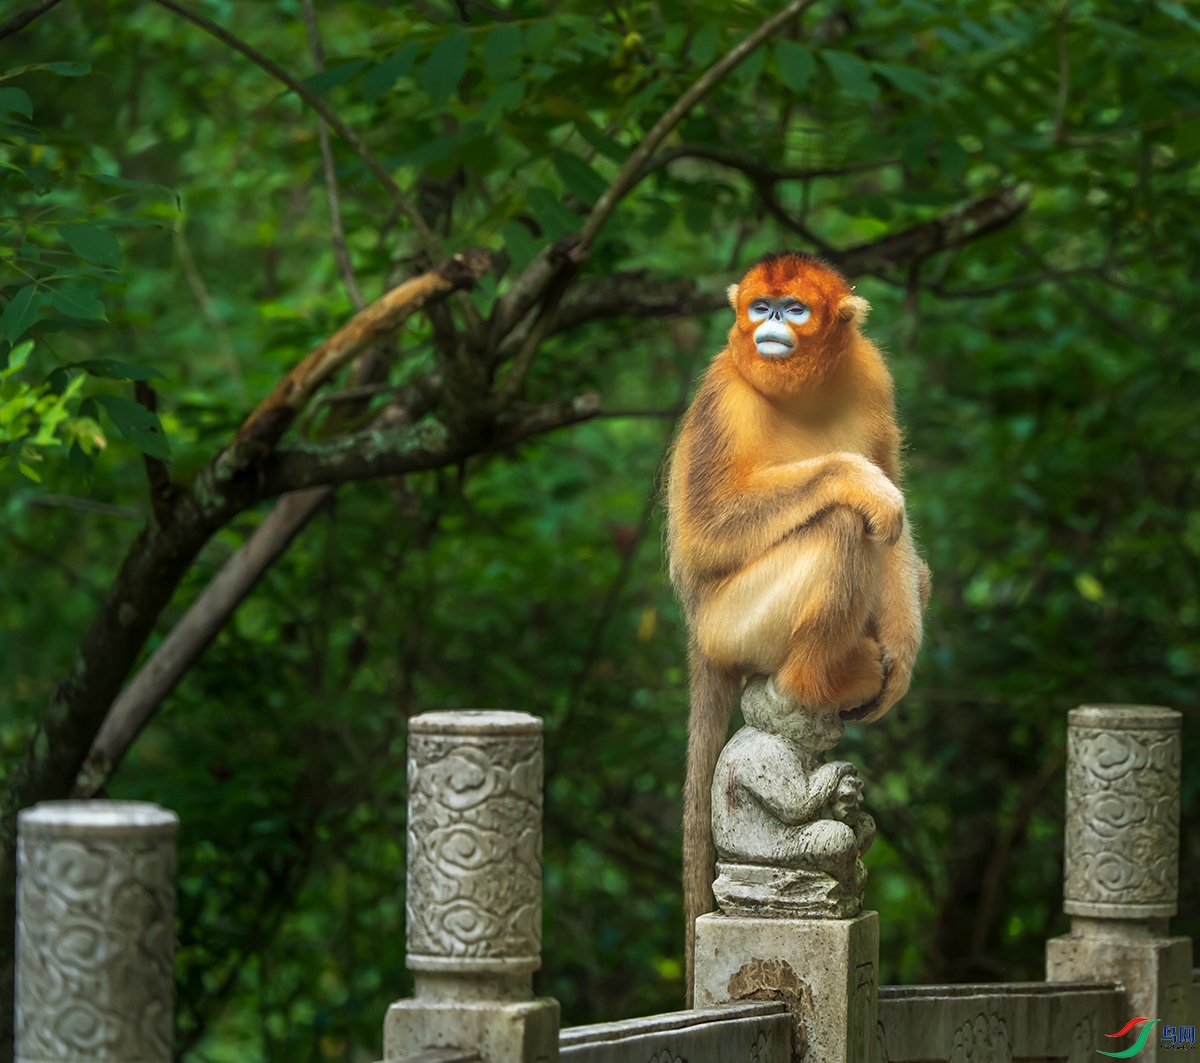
(191,636)
(270,420)
(429,241)
(22,18)
(529,288)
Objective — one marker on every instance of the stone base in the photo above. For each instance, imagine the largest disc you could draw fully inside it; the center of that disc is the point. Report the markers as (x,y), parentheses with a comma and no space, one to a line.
(1155,971)
(520,1032)
(757,890)
(825,970)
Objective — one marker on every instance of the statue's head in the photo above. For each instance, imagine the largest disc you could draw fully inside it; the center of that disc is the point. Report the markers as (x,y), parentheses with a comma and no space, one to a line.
(766,709)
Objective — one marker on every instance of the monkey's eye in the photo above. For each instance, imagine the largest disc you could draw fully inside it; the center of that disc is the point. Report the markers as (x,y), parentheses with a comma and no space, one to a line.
(798,313)
(760,309)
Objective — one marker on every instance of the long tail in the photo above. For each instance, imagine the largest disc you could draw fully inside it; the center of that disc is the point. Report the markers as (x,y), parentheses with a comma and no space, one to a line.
(712,695)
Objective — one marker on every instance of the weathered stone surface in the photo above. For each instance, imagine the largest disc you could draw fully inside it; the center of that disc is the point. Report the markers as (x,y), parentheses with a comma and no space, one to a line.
(997,1023)
(788,827)
(1156,971)
(1122,829)
(732,1033)
(474,898)
(1121,863)
(95,932)
(824,969)
(514,1032)
(474,911)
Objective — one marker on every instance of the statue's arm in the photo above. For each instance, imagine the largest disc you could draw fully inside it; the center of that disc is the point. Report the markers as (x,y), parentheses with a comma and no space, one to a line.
(784,789)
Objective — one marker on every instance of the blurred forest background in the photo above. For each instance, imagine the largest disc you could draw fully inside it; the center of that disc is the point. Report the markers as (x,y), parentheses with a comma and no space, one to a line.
(1014,187)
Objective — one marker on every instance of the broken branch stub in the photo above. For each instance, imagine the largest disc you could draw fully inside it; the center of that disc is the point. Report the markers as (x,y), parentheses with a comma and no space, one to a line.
(264,427)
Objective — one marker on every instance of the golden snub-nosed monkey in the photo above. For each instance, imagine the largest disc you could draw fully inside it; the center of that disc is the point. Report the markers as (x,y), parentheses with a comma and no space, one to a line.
(789,547)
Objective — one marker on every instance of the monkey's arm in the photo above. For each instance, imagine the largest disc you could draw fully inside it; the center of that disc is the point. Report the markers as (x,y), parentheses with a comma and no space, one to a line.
(793,799)
(744,518)
(903,593)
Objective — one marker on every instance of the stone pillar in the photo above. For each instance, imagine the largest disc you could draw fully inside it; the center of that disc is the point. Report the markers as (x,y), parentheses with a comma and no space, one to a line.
(789,830)
(1121,862)
(474,902)
(95,932)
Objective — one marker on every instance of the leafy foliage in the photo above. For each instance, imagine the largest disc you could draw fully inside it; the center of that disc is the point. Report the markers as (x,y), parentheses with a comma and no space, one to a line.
(1045,373)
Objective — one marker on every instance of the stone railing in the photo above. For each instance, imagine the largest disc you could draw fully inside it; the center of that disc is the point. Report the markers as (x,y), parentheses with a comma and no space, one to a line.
(95,926)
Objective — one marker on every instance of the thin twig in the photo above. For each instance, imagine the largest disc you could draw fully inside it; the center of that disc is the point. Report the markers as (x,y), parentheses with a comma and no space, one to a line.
(1111,134)
(429,241)
(205,301)
(627,176)
(340,251)
(22,18)
(86,505)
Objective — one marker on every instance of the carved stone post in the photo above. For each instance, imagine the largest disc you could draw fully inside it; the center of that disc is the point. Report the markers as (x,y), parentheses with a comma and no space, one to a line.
(789,830)
(1121,861)
(95,932)
(474,904)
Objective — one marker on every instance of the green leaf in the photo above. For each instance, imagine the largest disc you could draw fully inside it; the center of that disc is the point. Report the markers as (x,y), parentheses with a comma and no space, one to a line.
(75,302)
(21,313)
(133,186)
(92,243)
(952,163)
(319,84)
(27,471)
(909,79)
(110,369)
(704,45)
(555,219)
(502,52)
(81,463)
(519,243)
(57,381)
(444,68)
(506,98)
(16,101)
(750,69)
(384,74)
(88,408)
(579,177)
(69,70)
(852,74)
(137,424)
(606,146)
(796,65)
(17,357)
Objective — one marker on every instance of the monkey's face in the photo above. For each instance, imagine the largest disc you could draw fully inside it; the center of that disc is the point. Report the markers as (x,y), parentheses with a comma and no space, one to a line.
(777,319)
(795,318)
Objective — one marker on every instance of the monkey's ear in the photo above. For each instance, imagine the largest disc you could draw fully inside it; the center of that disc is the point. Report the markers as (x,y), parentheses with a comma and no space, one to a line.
(731,294)
(853,309)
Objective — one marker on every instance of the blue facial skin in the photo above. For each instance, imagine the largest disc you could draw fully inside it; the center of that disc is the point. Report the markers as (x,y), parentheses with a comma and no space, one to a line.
(773,338)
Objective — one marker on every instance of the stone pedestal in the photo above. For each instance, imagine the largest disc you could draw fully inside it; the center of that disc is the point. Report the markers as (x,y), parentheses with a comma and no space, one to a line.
(474,902)
(1121,862)
(825,970)
(95,932)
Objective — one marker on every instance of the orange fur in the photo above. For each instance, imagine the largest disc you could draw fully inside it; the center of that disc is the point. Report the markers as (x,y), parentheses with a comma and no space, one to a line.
(788,541)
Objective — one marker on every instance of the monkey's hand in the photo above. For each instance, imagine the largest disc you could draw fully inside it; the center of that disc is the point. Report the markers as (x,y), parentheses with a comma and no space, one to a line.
(847,479)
